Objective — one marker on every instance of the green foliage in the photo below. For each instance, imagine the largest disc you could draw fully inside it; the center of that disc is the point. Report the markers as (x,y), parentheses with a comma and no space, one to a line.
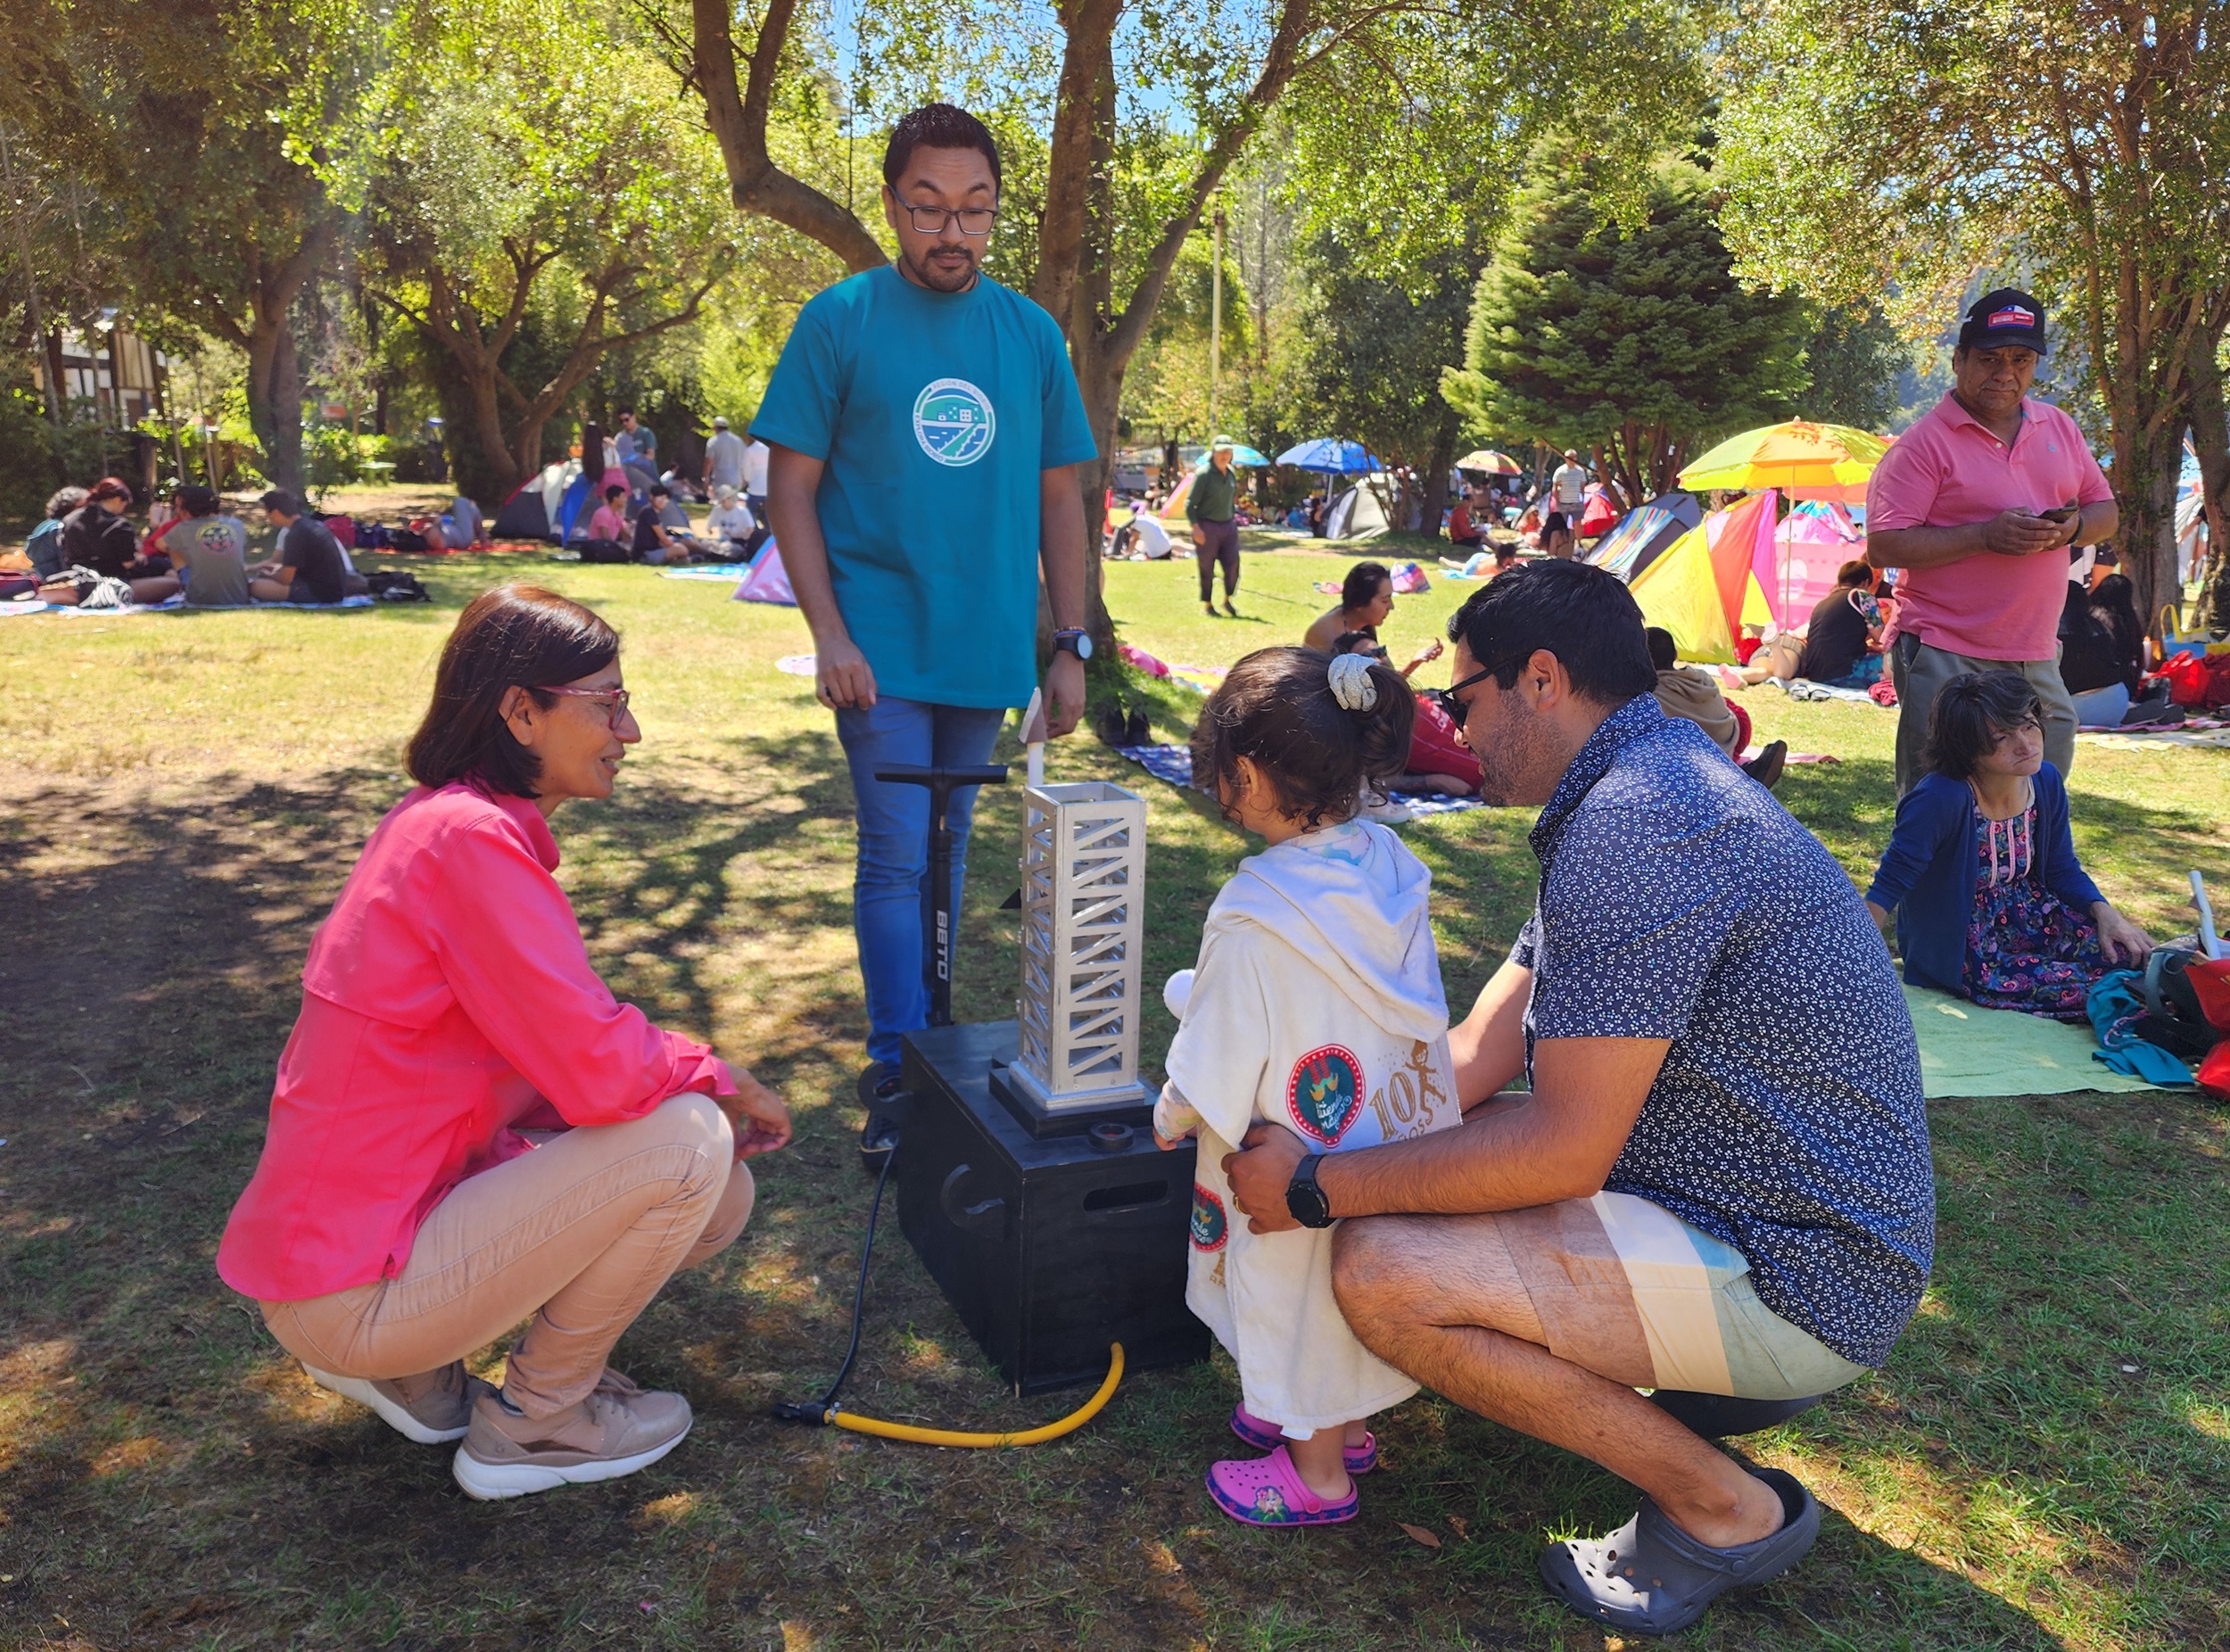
(1374,360)
(1854,357)
(546,201)
(2072,146)
(1415,146)
(1639,342)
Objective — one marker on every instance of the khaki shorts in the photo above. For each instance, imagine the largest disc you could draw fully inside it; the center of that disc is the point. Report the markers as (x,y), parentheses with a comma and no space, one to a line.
(1695,1322)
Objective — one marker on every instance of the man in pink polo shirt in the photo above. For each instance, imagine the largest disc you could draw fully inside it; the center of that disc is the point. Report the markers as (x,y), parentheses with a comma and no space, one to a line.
(1980,504)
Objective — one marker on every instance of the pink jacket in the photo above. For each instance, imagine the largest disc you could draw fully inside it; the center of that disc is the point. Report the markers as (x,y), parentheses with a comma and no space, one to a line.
(446,999)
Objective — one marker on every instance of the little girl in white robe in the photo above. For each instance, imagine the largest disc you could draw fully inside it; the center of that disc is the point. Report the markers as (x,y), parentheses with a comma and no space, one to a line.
(1317,1004)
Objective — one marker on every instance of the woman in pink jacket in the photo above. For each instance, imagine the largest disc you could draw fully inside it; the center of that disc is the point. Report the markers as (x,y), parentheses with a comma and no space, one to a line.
(467,1130)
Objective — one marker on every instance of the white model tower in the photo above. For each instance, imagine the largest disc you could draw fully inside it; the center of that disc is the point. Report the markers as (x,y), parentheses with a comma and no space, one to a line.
(1084,882)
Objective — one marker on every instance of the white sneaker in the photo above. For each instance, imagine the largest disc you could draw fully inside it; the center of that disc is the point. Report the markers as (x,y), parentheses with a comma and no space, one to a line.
(431,1409)
(615,1431)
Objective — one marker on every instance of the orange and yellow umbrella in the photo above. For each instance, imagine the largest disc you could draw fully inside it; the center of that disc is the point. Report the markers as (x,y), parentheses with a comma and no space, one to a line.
(1803,459)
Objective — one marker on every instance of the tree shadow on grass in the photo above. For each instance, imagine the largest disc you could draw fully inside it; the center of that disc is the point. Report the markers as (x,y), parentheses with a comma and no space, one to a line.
(169,1478)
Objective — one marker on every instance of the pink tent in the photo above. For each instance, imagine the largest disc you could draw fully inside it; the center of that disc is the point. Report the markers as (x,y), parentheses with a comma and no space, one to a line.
(1795,562)
(766,579)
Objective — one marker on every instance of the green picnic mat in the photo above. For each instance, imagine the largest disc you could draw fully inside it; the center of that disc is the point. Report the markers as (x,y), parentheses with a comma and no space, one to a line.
(1969,1051)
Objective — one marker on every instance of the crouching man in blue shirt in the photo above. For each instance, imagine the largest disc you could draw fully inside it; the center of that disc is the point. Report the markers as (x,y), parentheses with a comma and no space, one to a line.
(1718,1182)
(923,429)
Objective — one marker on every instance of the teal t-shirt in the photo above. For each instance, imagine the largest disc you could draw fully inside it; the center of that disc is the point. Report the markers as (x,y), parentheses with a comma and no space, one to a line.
(934,413)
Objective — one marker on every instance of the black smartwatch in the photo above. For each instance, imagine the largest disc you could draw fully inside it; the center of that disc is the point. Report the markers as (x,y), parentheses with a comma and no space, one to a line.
(1076,642)
(1304,1198)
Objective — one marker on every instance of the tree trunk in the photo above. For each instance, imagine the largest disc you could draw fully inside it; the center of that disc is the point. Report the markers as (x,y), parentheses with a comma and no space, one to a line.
(274,397)
(1438,463)
(2212,441)
(2146,461)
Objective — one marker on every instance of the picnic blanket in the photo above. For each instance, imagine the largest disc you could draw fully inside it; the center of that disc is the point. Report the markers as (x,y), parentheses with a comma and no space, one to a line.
(2196,732)
(1966,1050)
(727,573)
(178,605)
(1174,763)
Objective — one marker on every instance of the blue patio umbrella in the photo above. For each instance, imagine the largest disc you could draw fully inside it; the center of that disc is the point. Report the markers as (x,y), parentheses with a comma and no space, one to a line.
(1330,455)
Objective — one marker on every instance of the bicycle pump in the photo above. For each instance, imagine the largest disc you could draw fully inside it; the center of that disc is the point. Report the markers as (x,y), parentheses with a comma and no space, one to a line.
(941,784)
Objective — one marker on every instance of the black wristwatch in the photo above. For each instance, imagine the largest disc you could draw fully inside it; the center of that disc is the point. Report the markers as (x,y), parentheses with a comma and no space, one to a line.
(1076,642)
(1305,1199)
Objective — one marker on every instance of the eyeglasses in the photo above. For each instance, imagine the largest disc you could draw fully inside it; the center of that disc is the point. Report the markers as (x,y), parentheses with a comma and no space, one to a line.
(613,700)
(1456,709)
(975,222)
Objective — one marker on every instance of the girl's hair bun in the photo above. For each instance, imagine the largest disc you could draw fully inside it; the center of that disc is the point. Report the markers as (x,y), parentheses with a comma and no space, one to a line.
(1349,675)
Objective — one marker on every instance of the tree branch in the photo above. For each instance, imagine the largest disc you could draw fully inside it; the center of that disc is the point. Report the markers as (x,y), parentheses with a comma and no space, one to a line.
(737,118)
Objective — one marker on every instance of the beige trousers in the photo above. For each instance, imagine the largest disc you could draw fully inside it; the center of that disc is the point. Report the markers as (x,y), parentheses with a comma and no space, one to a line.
(578,1234)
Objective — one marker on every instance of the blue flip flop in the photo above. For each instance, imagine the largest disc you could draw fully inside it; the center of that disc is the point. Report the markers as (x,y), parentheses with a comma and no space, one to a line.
(1652,1578)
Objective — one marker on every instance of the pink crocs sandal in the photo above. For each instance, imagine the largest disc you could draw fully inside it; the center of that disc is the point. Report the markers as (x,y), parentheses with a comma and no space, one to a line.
(1269,1492)
(1269,1436)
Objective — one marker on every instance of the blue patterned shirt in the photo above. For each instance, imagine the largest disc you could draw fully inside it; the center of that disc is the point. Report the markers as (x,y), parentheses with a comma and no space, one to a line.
(1680,901)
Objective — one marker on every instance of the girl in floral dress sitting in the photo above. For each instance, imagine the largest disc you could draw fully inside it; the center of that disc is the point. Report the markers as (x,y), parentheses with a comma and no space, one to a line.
(1991,902)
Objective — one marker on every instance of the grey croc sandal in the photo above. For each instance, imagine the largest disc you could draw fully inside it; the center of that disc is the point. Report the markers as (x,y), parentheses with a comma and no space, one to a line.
(1651,1578)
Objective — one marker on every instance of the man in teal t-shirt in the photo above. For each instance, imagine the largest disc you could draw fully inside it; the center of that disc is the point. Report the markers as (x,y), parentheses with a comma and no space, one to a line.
(924,428)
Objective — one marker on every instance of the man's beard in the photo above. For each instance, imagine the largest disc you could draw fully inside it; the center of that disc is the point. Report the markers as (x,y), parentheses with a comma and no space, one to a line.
(942,278)
(1511,752)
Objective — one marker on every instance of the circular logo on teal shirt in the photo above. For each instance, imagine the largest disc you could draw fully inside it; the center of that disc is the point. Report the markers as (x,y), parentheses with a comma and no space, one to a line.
(953,422)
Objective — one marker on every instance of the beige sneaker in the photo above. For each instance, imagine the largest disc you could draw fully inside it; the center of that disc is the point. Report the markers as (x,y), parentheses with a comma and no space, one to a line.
(616,1430)
(432,1407)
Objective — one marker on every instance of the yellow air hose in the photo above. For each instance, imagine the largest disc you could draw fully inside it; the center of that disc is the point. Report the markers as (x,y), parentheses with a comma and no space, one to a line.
(1070,1423)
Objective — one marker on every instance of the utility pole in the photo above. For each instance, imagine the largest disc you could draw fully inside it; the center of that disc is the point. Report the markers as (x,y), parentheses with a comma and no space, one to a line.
(1215,321)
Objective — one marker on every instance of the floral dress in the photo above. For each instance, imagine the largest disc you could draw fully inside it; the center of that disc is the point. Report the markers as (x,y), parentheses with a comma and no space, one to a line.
(2026,948)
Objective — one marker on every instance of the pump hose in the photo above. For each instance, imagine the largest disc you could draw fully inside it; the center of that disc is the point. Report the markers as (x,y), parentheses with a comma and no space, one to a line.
(1068,1425)
(825,1413)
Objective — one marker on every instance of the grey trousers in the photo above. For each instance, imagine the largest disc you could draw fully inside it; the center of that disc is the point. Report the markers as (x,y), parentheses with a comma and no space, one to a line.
(1920,671)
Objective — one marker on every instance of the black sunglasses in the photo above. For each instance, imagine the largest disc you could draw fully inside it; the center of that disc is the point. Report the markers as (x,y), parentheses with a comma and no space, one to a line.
(1456,709)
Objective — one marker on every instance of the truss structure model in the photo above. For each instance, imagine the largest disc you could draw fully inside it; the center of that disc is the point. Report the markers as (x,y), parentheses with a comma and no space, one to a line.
(1083,883)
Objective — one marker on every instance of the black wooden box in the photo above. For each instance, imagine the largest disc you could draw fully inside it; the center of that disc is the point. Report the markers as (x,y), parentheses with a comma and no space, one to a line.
(1049,1248)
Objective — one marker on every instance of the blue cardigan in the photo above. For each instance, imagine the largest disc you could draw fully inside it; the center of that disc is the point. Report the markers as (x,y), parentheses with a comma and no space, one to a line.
(1928,872)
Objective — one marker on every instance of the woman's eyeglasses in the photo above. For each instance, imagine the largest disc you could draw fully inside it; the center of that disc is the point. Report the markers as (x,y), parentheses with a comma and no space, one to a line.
(613,700)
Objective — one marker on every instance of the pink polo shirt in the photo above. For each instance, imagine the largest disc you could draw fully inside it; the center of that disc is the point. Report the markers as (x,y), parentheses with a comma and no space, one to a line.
(447,999)
(1948,471)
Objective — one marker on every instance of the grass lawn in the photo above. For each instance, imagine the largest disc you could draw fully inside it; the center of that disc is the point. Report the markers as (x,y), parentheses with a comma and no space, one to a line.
(2045,1463)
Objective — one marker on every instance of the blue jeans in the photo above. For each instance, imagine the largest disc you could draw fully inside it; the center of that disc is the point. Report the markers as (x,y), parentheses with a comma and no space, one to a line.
(891,896)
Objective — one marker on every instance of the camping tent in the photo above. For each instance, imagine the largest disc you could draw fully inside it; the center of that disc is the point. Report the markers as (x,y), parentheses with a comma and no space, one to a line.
(1357,512)
(1599,513)
(1797,566)
(1704,588)
(766,579)
(537,505)
(1643,534)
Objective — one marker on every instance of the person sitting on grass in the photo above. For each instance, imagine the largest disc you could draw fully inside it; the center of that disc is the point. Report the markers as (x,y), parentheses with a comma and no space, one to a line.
(98,536)
(1686,692)
(309,567)
(610,536)
(1991,903)
(210,550)
(656,542)
(2101,648)
(730,523)
(1439,764)
(1317,1004)
(1366,596)
(1842,638)
(44,547)
(1465,527)
(468,1129)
